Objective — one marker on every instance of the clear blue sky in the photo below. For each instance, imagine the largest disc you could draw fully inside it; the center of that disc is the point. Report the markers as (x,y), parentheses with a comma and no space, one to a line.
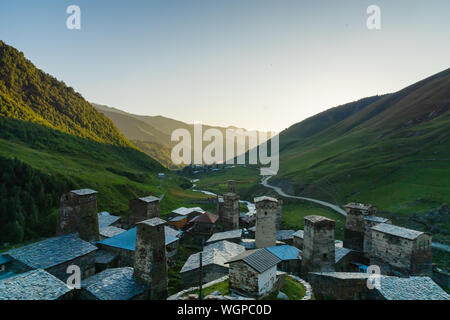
(256,64)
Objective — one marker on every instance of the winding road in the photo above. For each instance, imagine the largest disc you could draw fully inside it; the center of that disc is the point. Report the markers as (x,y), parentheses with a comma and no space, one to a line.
(264,182)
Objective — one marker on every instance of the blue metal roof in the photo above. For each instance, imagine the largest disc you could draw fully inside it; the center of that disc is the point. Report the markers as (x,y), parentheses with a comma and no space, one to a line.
(127,240)
(285,252)
(5,259)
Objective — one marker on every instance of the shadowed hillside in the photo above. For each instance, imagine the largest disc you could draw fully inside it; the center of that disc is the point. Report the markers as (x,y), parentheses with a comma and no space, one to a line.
(392,151)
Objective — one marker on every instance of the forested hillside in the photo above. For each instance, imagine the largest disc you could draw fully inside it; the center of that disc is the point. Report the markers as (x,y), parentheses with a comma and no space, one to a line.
(53,141)
(29,94)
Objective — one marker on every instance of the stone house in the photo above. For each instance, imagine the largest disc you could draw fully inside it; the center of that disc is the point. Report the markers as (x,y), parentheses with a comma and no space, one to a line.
(253,273)
(214,258)
(189,213)
(205,223)
(369,222)
(401,251)
(54,255)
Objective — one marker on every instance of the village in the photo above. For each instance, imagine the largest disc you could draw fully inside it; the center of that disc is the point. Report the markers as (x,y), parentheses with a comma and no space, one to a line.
(249,253)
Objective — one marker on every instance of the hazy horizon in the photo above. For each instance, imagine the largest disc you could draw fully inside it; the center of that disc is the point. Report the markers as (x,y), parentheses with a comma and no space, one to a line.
(252,64)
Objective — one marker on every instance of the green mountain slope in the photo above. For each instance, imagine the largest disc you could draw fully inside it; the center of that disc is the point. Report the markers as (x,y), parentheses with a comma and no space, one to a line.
(62,141)
(392,151)
(152,134)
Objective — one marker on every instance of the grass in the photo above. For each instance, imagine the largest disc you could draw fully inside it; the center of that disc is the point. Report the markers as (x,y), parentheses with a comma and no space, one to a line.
(292,288)
(222,287)
(293,215)
(246,180)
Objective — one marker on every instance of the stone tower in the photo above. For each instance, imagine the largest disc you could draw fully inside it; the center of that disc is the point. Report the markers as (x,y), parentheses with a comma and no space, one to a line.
(266,219)
(369,223)
(231,186)
(318,245)
(278,222)
(78,214)
(230,213)
(355,226)
(142,209)
(150,261)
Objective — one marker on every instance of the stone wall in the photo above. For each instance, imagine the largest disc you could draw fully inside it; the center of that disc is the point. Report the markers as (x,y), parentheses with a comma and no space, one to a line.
(243,279)
(367,243)
(318,245)
(141,210)
(297,242)
(332,288)
(210,273)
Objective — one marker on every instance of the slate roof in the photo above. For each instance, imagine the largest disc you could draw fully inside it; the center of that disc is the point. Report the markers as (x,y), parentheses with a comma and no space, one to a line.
(285,252)
(260,259)
(182,211)
(217,253)
(339,253)
(356,205)
(84,192)
(225,235)
(127,240)
(114,284)
(149,199)
(284,234)
(344,275)
(376,219)
(32,285)
(110,231)
(178,218)
(206,218)
(298,234)
(397,231)
(172,232)
(52,251)
(412,288)
(265,198)
(105,219)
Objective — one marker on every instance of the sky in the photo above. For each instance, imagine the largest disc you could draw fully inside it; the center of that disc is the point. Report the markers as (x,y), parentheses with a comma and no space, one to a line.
(257,64)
